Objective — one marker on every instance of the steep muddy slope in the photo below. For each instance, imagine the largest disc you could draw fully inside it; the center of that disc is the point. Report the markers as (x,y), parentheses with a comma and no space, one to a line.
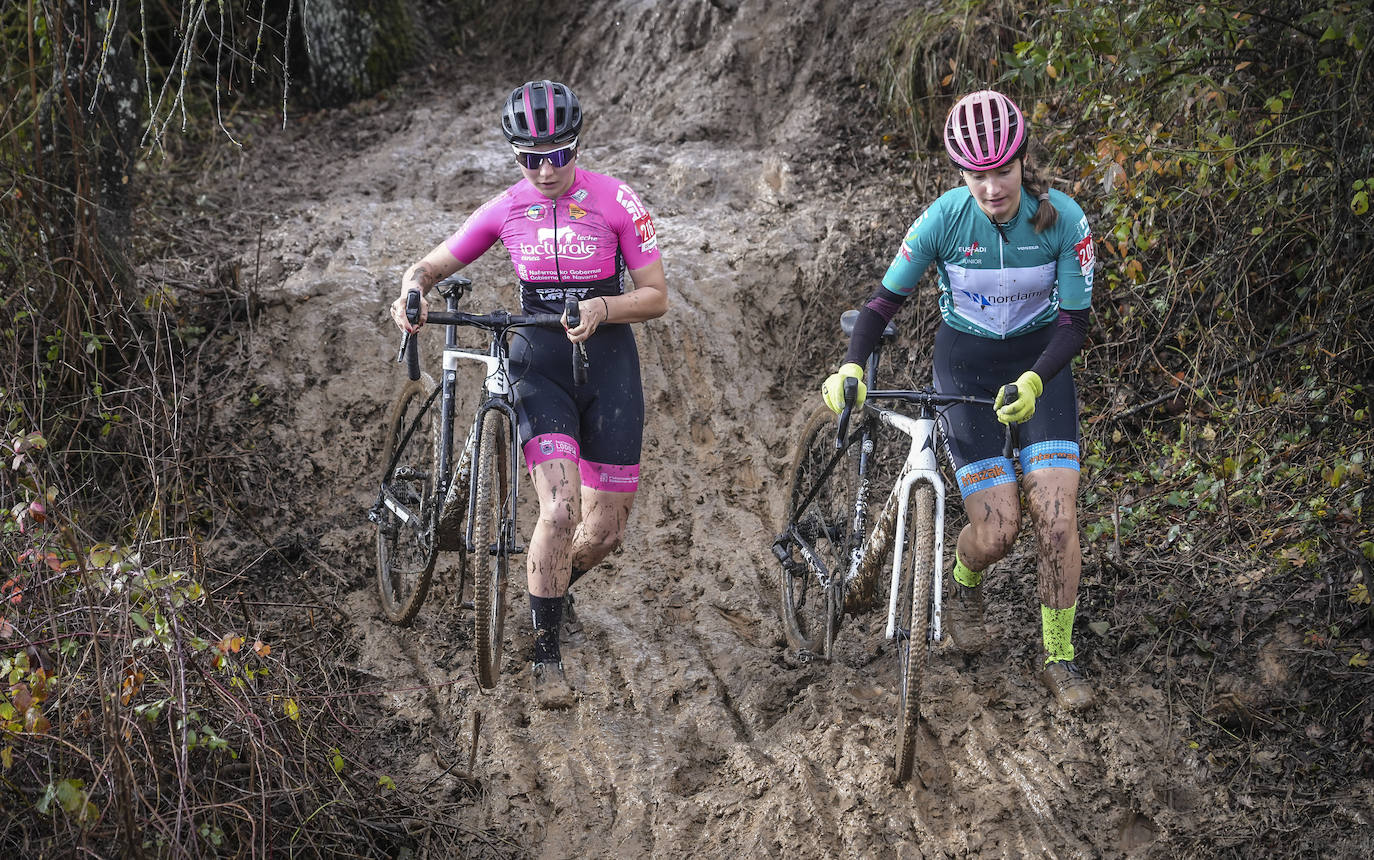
(695,729)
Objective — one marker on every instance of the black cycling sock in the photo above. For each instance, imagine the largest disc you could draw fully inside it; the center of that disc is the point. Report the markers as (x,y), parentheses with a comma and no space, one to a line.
(576,575)
(546,613)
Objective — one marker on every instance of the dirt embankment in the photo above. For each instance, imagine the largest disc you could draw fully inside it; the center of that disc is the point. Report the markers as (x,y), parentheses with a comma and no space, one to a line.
(742,126)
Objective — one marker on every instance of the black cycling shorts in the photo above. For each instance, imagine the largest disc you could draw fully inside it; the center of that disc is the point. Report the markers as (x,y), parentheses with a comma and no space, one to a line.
(974,438)
(599,424)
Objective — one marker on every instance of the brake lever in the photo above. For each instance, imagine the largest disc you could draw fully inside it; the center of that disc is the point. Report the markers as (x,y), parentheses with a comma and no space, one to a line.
(409,346)
(1009,393)
(572,315)
(851,394)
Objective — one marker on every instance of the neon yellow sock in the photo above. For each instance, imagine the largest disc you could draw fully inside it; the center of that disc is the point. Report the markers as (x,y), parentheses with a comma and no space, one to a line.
(963,575)
(1057,629)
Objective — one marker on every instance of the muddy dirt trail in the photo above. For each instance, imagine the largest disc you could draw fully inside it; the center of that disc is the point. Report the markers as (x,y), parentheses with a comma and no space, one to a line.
(695,728)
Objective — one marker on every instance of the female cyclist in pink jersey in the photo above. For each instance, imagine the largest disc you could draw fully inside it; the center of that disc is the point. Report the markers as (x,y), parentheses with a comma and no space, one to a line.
(569,232)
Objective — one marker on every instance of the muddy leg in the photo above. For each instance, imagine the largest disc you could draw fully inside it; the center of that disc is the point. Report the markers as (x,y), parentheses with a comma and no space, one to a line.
(994,517)
(558,486)
(1053,501)
(604,515)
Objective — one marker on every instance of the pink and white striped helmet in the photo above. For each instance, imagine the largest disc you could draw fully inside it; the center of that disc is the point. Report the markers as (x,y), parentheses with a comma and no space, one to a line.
(985,130)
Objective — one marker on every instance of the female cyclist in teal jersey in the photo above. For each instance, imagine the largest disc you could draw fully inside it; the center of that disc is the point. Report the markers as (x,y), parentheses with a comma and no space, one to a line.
(570,233)
(1015,266)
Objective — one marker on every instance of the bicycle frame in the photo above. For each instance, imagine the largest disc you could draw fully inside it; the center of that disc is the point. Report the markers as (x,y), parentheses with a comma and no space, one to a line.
(426,490)
(862,550)
(499,395)
(826,542)
(921,465)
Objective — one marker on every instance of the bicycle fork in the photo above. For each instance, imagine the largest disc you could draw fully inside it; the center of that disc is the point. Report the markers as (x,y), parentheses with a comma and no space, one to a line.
(498,389)
(921,466)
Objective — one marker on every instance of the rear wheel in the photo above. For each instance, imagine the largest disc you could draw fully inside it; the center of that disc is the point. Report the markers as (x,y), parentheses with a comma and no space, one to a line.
(913,629)
(490,544)
(824,522)
(406,550)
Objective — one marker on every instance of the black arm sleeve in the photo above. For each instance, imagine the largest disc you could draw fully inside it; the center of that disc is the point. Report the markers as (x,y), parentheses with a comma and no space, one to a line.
(1070,331)
(873,318)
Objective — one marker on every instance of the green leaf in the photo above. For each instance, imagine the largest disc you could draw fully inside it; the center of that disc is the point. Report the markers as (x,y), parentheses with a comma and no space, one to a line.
(70,795)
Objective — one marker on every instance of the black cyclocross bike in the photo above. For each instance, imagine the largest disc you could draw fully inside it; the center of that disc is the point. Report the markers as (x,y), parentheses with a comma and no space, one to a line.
(426,498)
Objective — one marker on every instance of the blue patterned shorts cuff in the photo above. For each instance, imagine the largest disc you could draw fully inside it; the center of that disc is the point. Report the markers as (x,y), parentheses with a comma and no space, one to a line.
(984,474)
(1049,455)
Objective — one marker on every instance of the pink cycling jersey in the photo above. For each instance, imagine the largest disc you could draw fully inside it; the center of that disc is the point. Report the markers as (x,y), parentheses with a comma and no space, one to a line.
(577,245)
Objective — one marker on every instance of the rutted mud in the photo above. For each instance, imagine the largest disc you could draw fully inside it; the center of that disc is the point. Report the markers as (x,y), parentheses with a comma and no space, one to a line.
(695,729)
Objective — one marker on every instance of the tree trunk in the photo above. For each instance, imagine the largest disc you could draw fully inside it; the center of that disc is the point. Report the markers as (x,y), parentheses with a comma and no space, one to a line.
(355,47)
(88,133)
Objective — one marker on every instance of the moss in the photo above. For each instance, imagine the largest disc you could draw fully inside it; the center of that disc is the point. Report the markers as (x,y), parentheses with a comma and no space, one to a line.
(393,44)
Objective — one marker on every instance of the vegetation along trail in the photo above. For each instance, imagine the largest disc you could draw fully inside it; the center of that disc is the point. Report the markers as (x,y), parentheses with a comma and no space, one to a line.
(780,180)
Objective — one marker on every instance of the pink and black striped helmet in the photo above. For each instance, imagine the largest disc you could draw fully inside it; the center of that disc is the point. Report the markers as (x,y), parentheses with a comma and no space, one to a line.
(985,130)
(541,112)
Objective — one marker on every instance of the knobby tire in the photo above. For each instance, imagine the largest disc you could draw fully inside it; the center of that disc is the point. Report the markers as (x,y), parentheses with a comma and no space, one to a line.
(405,556)
(490,552)
(912,652)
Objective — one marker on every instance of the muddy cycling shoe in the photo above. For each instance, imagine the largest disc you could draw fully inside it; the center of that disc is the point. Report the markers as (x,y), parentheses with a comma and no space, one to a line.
(551,688)
(1071,690)
(963,618)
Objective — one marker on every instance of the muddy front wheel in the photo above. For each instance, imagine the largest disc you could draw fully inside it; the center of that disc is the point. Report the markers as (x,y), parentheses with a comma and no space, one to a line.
(913,629)
(491,547)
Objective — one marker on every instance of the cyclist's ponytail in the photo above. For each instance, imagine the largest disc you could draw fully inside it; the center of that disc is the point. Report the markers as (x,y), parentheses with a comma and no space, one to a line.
(1045,216)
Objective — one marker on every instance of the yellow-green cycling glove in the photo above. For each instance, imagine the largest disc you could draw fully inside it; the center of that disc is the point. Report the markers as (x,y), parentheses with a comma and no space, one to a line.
(1028,387)
(833,387)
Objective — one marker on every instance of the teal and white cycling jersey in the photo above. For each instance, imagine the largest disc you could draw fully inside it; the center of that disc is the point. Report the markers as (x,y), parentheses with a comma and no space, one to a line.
(998,281)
